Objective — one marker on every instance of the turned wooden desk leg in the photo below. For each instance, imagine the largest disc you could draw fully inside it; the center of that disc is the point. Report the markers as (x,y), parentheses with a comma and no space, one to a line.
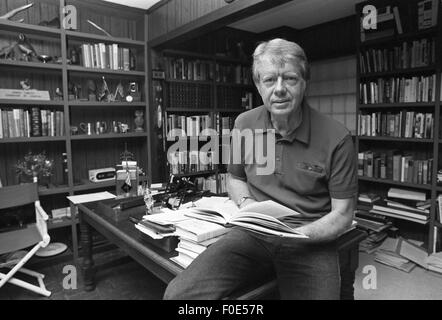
(86,251)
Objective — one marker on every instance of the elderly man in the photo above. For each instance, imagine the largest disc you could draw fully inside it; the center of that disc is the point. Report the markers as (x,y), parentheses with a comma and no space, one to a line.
(315,174)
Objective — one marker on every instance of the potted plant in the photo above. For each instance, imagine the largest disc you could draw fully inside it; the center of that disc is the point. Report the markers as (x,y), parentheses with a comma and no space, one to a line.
(35,168)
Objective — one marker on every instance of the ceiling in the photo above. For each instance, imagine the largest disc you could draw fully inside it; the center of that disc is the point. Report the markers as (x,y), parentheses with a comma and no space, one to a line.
(298,14)
(142,4)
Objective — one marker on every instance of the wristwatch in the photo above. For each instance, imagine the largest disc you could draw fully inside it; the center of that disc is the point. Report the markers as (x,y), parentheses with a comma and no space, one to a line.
(242,199)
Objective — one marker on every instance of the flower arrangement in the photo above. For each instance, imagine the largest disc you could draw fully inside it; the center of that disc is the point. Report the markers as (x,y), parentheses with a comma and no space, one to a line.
(34,166)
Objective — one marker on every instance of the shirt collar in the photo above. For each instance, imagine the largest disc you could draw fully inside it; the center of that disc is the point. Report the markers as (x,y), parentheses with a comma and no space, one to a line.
(302,133)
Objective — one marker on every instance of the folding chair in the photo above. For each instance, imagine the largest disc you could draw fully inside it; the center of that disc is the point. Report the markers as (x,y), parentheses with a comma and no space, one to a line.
(34,234)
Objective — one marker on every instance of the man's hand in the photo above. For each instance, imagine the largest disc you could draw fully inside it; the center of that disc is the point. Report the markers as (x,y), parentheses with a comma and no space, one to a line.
(247,202)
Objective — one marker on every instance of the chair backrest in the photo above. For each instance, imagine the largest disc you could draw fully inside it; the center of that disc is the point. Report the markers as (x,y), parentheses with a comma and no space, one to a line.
(18,195)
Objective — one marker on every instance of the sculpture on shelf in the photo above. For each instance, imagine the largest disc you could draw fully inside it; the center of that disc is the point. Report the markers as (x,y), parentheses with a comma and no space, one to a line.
(99,28)
(58,94)
(103,91)
(73,91)
(119,91)
(91,90)
(26,48)
(12,13)
(25,84)
(75,58)
(21,49)
(139,120)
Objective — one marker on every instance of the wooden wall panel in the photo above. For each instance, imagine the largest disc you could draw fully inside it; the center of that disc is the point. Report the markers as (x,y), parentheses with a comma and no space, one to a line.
(178,13)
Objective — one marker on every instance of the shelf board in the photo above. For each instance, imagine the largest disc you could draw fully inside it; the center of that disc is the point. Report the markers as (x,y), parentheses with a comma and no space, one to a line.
(109,136)
(106,104)
(32,102)
(398,105)
(232,60)
(232,110)
(398,183)
(401,37)
(94,185)
(239,85)
(63,222)
(35,65)
(14,26)
(93,37)
(395,73)
(51,191)
(192,174)
(106,71)
(395,139)
(180,53)
(208,82)
(187,110)
(32,139)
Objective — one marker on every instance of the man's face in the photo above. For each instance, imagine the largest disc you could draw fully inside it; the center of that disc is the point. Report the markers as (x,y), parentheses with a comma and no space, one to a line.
(281,86)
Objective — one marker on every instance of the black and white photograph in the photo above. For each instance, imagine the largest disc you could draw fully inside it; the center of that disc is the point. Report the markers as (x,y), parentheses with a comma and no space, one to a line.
(190,152)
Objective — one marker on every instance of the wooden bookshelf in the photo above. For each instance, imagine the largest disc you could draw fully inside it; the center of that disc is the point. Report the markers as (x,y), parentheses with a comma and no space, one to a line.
(418,148)
(83,152)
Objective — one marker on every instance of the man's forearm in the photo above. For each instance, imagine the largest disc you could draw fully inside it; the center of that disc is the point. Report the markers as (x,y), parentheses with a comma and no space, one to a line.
(333,224)
(237,188)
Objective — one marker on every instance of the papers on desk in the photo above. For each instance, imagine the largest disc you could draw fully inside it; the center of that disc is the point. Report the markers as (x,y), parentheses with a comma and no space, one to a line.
(82,198)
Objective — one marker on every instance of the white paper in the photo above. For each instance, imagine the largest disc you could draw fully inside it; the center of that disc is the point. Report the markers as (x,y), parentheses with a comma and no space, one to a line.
(82,198)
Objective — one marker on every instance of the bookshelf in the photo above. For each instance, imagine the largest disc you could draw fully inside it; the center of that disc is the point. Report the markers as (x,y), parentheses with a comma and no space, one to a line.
(211,88)
(83,151)
(399,85)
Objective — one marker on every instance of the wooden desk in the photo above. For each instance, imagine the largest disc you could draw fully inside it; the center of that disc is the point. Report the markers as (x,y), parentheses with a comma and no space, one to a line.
(125,236)
(128,238)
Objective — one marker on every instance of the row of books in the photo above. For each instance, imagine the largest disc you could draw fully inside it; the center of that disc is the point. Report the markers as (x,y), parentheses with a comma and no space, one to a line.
(107,56)
(427,13)
(398,90)
(409,55)
(403,124)
(208,183)
(190,126)
(226,124)
(36,122)
(227,73)
(189,95)
(399,203)
(393,165)
(189,69)
(233,98)
(203,70)
(193,161)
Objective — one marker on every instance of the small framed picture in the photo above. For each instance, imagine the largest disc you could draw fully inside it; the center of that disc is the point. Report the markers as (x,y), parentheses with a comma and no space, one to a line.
(158,74)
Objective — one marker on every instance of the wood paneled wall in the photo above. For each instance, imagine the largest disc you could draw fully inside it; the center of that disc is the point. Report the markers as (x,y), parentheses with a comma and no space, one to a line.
(172,14)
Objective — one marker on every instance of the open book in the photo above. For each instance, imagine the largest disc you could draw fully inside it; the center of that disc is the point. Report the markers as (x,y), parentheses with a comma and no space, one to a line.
(263,217)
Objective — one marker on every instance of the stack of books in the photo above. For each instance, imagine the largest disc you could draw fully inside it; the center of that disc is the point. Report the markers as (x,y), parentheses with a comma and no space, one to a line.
(389,254)
(434,262)
(194,237)
(404,204)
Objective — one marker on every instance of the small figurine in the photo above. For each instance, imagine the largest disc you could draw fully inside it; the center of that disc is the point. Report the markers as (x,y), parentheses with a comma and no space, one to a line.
(58,94)
(139,120)
(75,59)
(119,91)
(103,91)
(25,84)
(91,90)
(26,47)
